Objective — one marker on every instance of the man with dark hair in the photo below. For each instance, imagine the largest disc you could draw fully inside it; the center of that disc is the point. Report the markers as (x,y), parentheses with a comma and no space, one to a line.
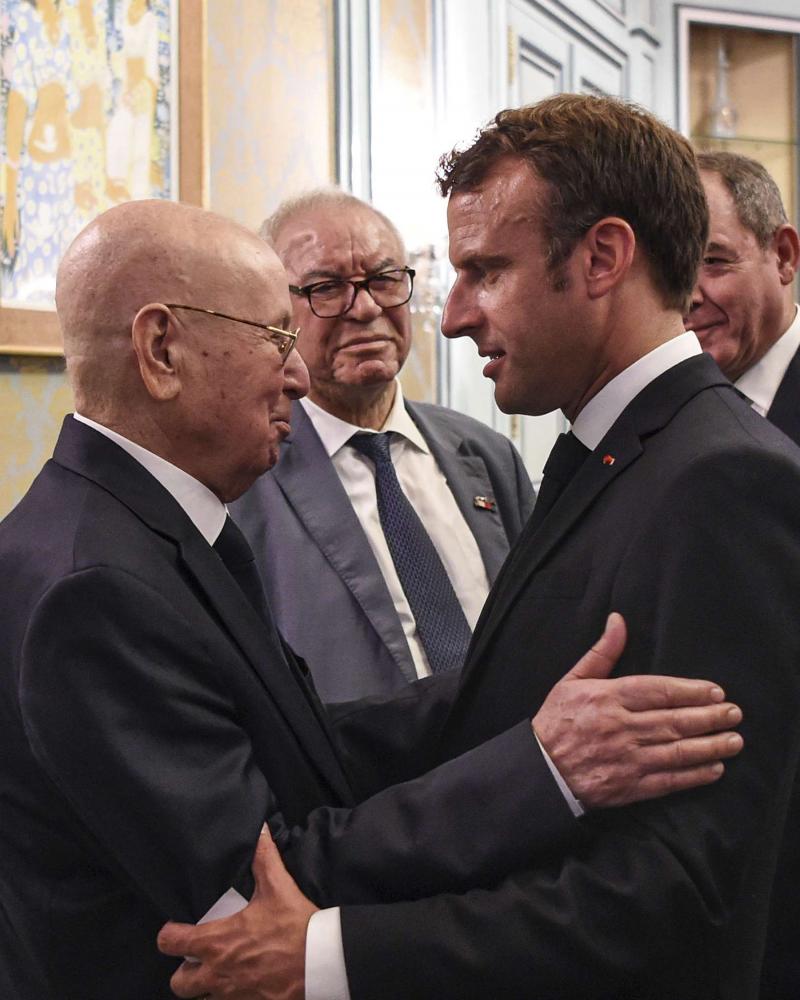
(743,309)
(576,298)
(398,552)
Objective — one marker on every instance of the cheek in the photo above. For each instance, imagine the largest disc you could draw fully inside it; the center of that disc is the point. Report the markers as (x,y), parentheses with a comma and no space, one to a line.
(314,344)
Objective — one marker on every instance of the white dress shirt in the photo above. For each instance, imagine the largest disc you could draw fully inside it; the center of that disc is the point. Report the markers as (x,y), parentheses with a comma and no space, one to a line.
(596,418)
(205,510)
(425,486)
(760,383)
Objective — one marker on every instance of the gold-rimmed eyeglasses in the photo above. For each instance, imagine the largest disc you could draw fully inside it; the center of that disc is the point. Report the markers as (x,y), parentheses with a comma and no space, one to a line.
(284,340)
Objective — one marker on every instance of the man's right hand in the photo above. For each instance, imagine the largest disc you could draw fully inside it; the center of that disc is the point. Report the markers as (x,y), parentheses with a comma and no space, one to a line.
(621,740)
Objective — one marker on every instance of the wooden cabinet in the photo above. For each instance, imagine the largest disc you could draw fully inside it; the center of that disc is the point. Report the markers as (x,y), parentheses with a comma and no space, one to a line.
(739,89)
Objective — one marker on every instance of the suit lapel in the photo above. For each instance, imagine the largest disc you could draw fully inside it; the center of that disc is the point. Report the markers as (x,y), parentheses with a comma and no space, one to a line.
(93,456)
(467,478)
(308,480)
(651,410)
(785,409)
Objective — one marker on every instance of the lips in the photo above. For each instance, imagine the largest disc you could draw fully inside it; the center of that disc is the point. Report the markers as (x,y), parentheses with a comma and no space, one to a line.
(496,359)
(706,331)
(282,427)
(363,344)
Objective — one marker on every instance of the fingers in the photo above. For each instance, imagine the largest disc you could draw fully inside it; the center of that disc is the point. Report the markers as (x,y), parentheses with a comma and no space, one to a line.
(658,784)
(174,938)
(666,725)
(646,691)
(693,752)
(265,859)
(653,771)
(192,981)
(274,884)
(602,657)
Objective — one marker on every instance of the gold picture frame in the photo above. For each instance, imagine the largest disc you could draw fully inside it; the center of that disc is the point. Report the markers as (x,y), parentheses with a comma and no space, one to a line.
(36,331)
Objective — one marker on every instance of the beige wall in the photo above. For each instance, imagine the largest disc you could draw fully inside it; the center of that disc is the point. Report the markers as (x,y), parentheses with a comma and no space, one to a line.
(270,103)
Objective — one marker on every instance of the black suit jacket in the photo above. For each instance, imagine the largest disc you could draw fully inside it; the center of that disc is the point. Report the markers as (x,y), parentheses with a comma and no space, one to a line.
(781,974)
(785,409)
(151,721)
(686,520)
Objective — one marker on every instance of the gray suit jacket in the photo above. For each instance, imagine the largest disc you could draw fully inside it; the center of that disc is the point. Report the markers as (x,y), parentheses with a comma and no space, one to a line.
(324,584)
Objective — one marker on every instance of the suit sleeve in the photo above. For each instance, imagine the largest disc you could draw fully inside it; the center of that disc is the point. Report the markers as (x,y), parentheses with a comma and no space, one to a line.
(484,812)
(139,738)
(390,739)
(664,899)
(146,745)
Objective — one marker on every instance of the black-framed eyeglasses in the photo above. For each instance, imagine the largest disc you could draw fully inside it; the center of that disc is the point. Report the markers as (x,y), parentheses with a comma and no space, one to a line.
(336,296)
(284,340)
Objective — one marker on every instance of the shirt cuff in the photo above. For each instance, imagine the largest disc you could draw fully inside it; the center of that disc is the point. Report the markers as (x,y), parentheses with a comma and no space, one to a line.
(575,804)
(326,974)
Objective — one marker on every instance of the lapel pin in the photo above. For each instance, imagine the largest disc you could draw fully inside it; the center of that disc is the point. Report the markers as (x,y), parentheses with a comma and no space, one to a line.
(608,459)
(484,503)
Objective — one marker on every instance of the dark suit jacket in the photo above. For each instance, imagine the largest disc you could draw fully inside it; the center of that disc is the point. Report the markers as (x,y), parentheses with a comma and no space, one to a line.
(785,409)
(685,519)
(310,547)
(151,721)
(781,974)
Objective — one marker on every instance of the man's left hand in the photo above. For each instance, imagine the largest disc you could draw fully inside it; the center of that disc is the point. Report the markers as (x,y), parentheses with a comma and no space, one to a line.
(256,954)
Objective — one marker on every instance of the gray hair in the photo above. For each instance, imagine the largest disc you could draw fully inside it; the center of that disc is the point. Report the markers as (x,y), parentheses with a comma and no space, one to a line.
(755,194)
(311,201)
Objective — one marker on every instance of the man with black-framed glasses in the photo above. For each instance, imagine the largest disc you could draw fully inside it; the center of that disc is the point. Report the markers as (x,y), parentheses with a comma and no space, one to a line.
(399,514)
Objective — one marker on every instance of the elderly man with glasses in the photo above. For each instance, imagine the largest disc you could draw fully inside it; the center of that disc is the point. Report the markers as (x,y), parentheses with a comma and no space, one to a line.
(395,516)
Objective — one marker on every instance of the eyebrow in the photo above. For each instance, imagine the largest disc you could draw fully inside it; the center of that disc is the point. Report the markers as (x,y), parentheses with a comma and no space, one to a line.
(717,247)
(484,261)
(323,273)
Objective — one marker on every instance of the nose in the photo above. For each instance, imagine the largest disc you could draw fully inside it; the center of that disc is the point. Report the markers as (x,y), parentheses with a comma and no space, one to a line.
(695,301)
(459,314)
(364,308)
(295,377)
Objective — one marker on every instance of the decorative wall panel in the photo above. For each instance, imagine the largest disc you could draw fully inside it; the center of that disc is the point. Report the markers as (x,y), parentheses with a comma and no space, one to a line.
(270,103)
(34,396)
(404,156)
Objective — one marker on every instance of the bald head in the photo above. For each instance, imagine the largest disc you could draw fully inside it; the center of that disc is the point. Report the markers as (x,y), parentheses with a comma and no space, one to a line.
(146,296)
(133,254)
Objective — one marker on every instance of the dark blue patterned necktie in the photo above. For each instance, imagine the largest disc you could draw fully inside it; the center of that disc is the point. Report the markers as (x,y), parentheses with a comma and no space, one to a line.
(234,550)
(442,627)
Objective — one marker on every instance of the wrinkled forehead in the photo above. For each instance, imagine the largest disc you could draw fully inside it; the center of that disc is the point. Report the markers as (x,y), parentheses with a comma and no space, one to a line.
(341,241)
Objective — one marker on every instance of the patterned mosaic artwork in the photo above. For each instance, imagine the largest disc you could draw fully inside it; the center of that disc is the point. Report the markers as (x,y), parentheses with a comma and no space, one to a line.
(85,122)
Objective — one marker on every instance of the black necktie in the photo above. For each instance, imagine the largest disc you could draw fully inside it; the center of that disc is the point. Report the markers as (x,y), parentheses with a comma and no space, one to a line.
(234,550)
(443,629)
(566,457)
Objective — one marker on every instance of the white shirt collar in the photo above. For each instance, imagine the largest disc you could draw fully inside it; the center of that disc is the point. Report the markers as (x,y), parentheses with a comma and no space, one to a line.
(334,433)
(760,383)
(596,418)
(206,511)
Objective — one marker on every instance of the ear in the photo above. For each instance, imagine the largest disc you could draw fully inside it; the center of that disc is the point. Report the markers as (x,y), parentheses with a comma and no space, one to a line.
(154,335)
(786,245)
(610,246)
